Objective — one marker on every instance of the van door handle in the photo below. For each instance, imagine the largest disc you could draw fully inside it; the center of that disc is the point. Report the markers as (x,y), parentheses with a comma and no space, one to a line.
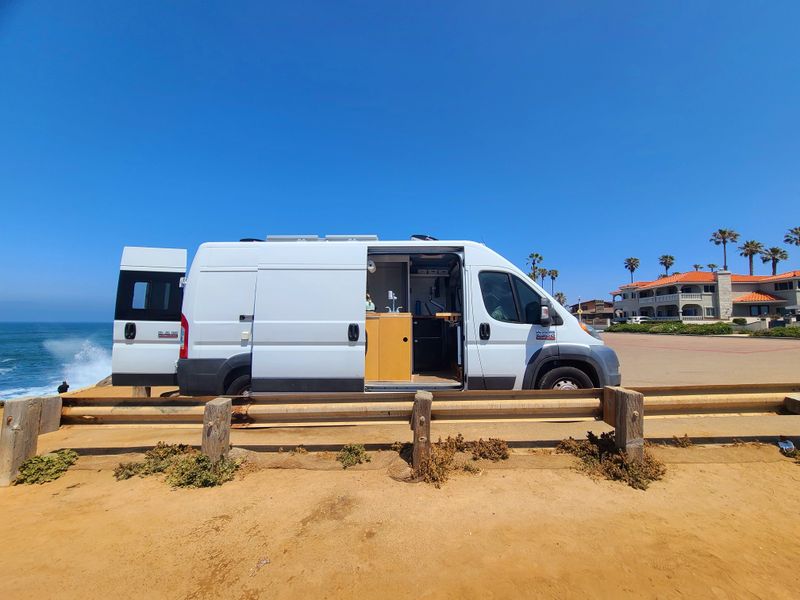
(130,331)
(352,332)
(484,331)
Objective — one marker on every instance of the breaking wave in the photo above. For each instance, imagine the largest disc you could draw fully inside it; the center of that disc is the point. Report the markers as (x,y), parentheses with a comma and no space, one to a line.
(80,362)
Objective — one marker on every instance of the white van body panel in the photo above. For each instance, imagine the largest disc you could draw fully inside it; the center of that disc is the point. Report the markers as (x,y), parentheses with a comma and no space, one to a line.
(309,296)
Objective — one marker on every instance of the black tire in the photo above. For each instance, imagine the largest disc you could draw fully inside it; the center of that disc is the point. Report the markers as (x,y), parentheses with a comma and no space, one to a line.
(565,378)
(239,386)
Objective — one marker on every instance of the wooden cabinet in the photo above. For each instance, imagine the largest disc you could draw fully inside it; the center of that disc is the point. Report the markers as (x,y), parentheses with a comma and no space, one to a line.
(388,347)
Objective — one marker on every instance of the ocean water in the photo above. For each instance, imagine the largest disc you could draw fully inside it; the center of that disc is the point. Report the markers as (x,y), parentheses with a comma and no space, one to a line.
(36,357)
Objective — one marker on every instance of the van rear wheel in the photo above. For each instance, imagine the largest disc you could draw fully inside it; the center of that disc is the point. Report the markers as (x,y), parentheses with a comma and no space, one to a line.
(565,378)
(239,386)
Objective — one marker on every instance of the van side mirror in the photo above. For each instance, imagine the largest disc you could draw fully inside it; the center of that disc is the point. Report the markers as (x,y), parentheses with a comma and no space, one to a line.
(544,318)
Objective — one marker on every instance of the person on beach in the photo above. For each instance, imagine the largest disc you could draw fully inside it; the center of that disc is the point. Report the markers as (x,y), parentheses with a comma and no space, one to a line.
(62,389)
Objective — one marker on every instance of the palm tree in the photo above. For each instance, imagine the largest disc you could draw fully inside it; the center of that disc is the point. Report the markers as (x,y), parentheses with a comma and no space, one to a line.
(561,298)
(697,267)
(632,264)
(750,249)
(534,258)
(712,266)
(792,236)
(666,261)
(775,255)
(542,274)
(723,236)
(553,275)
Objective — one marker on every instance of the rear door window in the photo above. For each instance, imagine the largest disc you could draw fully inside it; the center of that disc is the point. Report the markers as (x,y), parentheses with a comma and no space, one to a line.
(148,296)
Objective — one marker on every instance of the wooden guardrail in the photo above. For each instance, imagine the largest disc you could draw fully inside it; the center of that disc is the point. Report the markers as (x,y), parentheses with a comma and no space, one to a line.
(397,406)
(624,409)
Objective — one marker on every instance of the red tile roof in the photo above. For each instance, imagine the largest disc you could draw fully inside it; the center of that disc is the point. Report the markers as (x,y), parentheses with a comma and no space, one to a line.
(758,297)
(688,277)
(787,275)
(706,277)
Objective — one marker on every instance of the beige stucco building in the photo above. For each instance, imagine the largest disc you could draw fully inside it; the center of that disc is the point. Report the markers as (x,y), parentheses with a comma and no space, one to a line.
(718,295)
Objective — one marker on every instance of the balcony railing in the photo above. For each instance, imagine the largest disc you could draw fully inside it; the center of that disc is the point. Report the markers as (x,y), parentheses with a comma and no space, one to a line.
(674,298)
(667,298)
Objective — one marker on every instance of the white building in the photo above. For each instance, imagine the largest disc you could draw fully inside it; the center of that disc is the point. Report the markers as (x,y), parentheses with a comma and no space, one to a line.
(697,295)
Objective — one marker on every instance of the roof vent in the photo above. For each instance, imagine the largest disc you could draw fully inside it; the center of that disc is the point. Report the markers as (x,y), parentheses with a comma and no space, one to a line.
(251,240)
(352,238)
(292,238)
(421,237)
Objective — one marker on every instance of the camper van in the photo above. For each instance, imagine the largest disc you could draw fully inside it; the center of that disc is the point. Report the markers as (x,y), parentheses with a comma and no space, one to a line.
(344,313)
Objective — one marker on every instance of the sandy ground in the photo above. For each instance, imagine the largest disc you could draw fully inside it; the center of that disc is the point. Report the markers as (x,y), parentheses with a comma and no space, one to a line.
(648,359)
(723,524)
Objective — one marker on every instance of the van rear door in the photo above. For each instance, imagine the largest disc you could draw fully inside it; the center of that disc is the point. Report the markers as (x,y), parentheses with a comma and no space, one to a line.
(147,317)
(308,329)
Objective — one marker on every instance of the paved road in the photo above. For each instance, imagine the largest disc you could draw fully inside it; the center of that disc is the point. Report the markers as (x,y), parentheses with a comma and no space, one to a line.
(649,359)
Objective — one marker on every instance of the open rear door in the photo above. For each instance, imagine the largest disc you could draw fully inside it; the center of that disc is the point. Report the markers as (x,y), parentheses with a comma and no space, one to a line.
(147,318)
(308,329)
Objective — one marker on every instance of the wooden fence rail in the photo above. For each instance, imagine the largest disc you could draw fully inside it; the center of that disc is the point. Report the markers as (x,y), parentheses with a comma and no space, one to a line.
(624,409)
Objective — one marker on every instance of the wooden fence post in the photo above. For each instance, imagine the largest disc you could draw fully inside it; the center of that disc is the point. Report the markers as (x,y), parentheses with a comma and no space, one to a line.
(624,409)
(421,426)
(217,428)
(18,436)
(141,391)
(792,404)
(50,419)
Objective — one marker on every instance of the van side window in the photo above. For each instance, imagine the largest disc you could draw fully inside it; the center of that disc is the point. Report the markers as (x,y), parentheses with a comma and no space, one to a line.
(148,296)
(530,302)
(498,298)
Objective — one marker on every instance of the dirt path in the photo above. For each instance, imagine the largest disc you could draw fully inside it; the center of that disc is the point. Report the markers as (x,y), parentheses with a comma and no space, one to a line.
(723,525)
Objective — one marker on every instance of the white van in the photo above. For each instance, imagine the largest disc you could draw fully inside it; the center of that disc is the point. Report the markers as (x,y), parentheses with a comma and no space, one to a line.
(345,314)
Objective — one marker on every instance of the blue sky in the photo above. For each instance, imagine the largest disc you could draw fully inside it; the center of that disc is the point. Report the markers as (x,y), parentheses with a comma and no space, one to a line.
(586,131)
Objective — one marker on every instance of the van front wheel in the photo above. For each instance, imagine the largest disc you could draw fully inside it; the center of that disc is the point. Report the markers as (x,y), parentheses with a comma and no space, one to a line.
(565,378)
(239,386)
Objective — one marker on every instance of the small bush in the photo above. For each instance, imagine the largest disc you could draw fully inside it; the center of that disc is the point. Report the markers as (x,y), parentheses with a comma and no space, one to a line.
(156,460)
(471,467)
(182,465)
(47,467)
(437,469)
(492,449)
(778,332)
(739,321)
(682,442)
(196,470)
(601,458)
(673,327)
(352,455)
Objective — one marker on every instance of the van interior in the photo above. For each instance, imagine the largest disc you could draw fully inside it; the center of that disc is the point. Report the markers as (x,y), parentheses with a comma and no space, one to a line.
(414,321)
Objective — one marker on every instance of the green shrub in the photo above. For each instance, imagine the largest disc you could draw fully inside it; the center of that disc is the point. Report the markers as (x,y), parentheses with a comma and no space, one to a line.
(196,470)
(739,321)
(673,327)
(182,465)
(780,332)
(156,460)
(601,458)
(47,467)
(352,454)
